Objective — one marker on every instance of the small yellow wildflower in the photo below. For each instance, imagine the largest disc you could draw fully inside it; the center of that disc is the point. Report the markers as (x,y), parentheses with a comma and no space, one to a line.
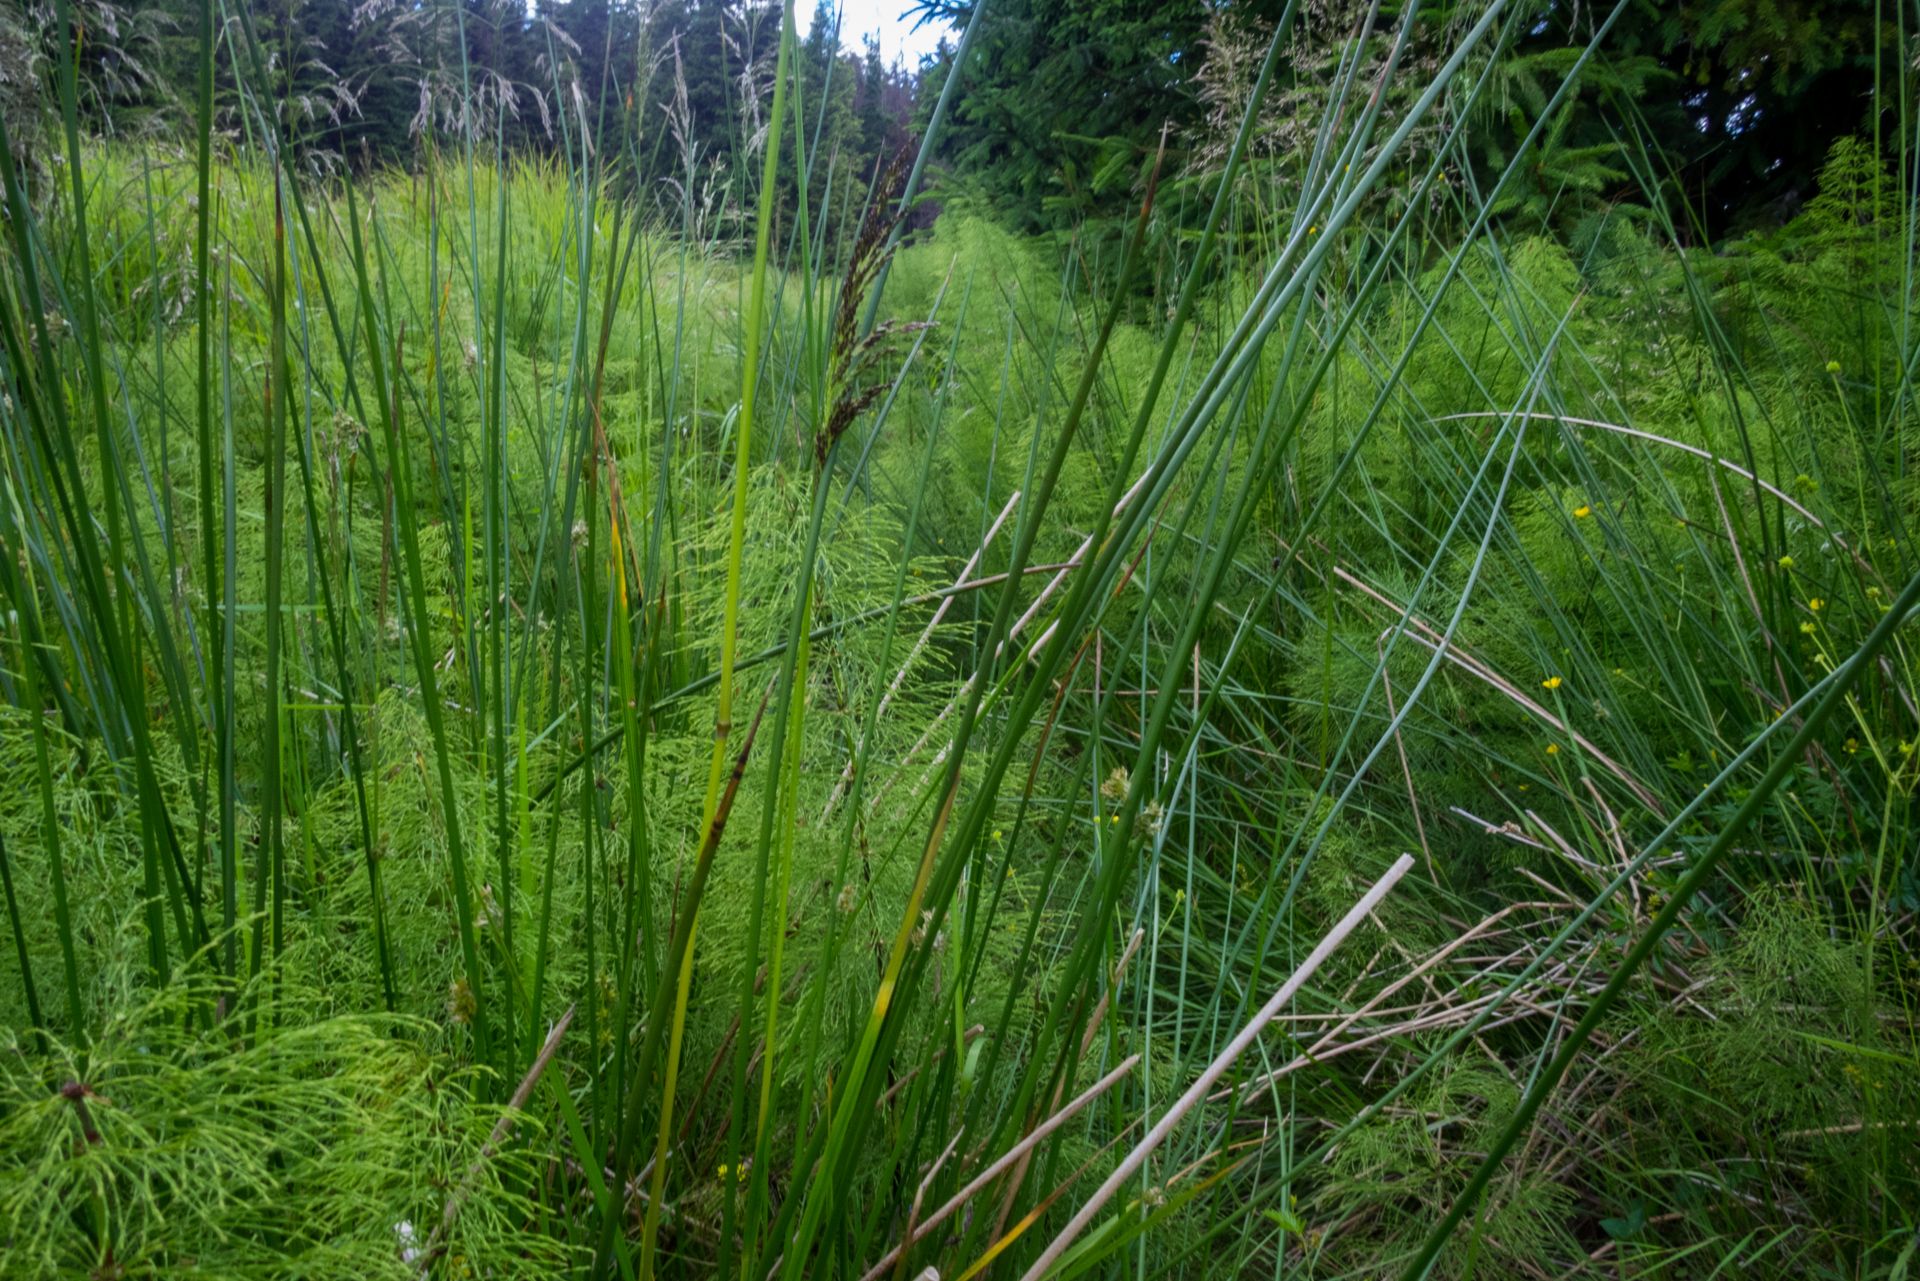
(1786,562)
(1553,749)
(1833,366)
(1853,746)
(1873,593)
(1552,682)
(1583,511)
(996,833)
(1816,603)
(1808,628)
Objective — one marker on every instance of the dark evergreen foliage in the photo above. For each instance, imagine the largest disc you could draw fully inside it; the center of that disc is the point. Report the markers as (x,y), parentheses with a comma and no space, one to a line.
(1060,108)
(1062,99)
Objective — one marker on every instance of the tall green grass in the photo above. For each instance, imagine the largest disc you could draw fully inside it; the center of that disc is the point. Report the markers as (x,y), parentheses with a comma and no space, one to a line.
(904,709)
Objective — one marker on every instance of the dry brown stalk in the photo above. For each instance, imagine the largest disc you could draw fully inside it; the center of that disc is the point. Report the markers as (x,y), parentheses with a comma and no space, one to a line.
(926,635)
(1320,1049)
(1072,563)
(920,1195)
(1456,653)
(1019,1175)
(1005,1161)
(966,1038)
(500,1130)
(1199,1090)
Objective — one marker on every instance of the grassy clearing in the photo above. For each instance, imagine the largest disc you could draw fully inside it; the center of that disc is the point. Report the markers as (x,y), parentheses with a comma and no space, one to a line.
(432,595)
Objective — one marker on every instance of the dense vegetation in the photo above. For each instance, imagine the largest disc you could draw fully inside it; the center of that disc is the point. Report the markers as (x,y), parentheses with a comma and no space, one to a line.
(1057,116)
(1316,678)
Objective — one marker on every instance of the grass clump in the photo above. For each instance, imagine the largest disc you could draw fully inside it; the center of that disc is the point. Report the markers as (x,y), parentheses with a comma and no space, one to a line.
(632,754)
(326,1149)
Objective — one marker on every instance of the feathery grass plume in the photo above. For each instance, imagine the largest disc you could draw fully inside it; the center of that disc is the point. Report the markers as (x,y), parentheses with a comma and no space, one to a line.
(851,355)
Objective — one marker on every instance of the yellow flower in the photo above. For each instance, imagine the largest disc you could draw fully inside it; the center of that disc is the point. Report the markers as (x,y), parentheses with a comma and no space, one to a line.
(1816,603)
(1786,562)
(1553,749)
(1853,745)
(1552,682)
(1583,511)
(1873,593)
(1833,366)
(1808,628)
(996,833)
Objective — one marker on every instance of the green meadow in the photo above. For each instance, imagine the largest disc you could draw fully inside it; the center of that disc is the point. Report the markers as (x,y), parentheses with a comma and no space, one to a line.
(1336,717)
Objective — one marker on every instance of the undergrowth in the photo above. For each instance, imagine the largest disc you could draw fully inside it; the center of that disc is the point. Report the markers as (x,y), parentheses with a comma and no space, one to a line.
(514,597)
